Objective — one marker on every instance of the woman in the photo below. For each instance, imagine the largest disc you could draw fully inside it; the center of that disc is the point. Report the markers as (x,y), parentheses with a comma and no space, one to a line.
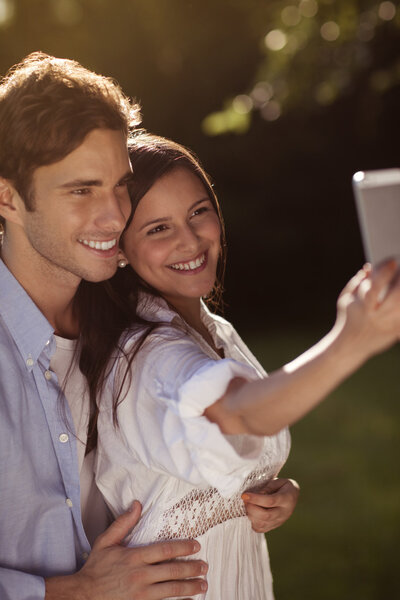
(181,427)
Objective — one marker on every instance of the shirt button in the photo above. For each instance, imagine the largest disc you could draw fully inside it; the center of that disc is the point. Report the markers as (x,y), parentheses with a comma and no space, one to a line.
(47,374)
(85,555)
(63,437)
(30,362)
(68,502)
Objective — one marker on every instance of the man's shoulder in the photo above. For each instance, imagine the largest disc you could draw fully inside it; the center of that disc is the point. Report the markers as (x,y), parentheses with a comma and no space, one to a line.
(20,318)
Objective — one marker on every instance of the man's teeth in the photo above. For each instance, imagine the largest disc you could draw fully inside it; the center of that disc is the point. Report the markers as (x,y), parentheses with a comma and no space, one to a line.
(99,245)
(191,265)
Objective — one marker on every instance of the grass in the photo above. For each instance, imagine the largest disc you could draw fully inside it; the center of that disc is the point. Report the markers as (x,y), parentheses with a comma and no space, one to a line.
(342,541)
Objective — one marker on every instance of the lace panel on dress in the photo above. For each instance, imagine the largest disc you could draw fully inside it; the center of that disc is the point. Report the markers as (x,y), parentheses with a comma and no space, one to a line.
(200,510)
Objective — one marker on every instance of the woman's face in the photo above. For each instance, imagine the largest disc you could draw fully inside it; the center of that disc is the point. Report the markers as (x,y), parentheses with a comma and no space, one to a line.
(173,242)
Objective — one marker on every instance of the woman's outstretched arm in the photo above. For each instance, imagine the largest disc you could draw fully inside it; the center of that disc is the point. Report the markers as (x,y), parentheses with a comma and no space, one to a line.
(365,326)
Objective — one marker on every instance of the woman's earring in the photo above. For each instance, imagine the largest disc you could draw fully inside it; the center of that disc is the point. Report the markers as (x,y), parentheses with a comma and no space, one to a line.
(122,263)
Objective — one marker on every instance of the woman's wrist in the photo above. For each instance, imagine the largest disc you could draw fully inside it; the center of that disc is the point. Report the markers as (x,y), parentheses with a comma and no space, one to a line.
(345,350)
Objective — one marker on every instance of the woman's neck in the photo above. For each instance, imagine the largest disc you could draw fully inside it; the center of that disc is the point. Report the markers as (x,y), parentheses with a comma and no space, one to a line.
(190,311)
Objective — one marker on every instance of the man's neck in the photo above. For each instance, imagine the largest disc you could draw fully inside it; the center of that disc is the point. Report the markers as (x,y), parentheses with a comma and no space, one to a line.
(52,293)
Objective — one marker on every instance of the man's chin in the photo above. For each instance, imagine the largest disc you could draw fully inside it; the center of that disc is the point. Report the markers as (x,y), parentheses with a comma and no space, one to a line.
(101,276)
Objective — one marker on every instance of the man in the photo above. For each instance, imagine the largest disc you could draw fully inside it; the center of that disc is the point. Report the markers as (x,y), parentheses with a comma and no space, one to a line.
(64,203)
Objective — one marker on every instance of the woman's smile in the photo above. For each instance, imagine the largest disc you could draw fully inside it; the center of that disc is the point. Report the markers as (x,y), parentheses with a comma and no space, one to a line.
(173,242)
(191,267)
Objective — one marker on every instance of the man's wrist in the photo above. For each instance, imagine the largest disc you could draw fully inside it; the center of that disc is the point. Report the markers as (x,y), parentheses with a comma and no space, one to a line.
(67,587)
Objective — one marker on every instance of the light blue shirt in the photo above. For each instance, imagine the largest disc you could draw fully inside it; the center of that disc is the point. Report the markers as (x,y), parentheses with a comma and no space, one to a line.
(41,531)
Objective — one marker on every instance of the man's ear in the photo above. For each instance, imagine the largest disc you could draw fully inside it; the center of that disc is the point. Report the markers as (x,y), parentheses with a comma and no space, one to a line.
(10,202)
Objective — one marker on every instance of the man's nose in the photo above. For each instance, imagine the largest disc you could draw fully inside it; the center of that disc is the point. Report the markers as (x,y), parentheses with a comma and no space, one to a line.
(113,212)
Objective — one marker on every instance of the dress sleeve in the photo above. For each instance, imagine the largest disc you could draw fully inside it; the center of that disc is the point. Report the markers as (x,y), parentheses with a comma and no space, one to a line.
(161,418)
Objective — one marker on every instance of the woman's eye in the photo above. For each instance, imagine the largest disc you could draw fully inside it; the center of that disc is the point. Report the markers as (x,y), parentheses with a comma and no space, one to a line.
(200,210)
(156,229)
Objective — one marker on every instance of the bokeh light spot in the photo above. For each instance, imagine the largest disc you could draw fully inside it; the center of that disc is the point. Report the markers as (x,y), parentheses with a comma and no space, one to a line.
(7,11)
(291,16)
(226,121)
(387,11)
(325,93)
(68,12)
(365,32)
(330,31)
(261,93)
(308,8)
(275,40)
(242,104)
(271,111)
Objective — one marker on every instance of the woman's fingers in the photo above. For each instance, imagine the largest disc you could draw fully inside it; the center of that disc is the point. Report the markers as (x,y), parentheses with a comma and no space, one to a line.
(272,506)
(373,289)
(352,286)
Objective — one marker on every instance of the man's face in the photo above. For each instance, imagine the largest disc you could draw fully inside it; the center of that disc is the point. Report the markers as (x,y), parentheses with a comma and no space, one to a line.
(81,205)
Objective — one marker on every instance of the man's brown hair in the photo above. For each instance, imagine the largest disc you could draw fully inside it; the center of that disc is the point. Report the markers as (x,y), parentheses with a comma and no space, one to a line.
(47,107)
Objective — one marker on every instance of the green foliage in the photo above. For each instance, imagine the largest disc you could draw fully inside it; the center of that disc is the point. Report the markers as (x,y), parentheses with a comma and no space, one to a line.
(312,53)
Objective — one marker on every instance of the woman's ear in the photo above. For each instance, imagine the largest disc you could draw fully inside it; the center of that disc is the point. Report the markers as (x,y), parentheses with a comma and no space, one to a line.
(122,260)
(10,202)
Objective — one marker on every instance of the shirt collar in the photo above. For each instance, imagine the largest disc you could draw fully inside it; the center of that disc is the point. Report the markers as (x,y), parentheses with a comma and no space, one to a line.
(156,309)
(27,325)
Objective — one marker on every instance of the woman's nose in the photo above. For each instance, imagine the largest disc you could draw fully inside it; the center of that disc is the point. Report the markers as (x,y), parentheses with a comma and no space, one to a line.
(188,239)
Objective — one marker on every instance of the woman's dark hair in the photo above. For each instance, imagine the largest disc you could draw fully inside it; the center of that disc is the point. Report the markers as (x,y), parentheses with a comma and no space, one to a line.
(107,309)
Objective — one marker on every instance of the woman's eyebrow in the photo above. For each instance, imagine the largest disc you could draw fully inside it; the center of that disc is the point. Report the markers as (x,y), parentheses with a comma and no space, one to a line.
(205,199)
(164,219)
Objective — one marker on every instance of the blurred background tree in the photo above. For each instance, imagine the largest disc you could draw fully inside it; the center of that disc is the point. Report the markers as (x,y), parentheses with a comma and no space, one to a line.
(283,100)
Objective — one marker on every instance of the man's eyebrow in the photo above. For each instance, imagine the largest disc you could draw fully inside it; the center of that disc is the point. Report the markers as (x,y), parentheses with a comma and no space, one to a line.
(164,219)
(76,183)
(81,183)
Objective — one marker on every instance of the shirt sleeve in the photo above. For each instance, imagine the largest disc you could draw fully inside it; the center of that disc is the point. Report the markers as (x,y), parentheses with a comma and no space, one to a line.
(16,584)
(161,417)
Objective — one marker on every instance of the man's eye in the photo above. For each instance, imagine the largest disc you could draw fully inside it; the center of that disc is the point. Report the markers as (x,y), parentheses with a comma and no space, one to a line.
(81,191)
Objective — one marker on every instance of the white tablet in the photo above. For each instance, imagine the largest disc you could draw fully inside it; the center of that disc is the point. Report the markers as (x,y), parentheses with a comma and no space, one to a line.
(377,196)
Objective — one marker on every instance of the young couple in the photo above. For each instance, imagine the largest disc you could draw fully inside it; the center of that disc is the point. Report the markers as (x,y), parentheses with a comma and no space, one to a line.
(187,419)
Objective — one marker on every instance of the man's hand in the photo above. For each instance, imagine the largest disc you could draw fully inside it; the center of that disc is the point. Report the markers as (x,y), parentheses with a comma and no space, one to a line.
(273,505)
(115,572)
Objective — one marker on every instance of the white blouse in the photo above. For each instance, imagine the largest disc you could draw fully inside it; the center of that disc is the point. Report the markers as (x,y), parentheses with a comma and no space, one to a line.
(188,475)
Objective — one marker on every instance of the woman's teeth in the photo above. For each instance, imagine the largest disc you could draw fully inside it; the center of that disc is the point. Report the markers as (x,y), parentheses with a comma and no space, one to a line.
(99,245)
(189,266)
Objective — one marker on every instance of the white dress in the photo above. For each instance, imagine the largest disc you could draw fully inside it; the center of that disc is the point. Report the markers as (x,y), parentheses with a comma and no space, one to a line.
(188,476)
